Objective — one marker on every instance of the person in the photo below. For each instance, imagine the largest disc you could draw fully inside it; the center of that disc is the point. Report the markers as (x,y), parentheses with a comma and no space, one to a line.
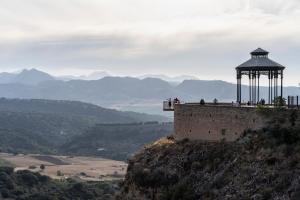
(215,101)
(170,102)
(202,102)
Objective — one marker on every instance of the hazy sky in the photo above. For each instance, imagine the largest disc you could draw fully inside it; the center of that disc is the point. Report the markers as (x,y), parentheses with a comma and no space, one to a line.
(206,38)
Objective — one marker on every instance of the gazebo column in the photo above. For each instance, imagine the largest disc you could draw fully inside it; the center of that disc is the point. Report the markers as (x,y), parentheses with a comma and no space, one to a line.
(275,85)
(239,86)
(281,84)
(269,77)
(271,88)
(250,87)
(258,75)
(255,85)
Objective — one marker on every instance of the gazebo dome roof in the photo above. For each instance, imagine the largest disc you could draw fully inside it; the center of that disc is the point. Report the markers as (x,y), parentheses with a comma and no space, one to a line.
(259,51)
(260,62)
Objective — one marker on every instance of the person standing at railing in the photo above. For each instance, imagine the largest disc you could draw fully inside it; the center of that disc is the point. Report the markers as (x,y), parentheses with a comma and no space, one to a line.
(176,101)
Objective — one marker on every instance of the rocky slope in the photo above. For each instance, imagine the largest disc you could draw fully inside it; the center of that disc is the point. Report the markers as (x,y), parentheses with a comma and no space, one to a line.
(261,165)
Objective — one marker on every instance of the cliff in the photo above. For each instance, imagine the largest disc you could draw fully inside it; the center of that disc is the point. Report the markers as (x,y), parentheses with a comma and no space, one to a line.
(260,165)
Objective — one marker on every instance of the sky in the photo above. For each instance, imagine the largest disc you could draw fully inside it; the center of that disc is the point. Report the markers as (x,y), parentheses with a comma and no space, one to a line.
(203,38)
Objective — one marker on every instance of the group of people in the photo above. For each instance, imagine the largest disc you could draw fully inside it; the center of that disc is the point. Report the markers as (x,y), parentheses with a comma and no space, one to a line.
(261,102)
(175,101)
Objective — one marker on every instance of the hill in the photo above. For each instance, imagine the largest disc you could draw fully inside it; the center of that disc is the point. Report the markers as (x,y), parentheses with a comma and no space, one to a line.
(116,141)
(73,109)
(45,126)
(260,165)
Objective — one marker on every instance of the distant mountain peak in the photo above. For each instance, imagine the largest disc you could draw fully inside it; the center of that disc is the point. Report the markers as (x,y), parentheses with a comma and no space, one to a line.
(169,78)
(32,77)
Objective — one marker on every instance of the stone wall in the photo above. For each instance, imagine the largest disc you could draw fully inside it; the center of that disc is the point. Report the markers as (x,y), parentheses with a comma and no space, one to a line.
(215,122)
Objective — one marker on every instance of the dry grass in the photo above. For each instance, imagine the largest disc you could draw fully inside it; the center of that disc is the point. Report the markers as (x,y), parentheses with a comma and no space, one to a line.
(163,142)
(85,168)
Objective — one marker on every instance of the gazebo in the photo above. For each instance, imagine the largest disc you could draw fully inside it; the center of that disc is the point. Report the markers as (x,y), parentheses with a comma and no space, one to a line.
(258,65)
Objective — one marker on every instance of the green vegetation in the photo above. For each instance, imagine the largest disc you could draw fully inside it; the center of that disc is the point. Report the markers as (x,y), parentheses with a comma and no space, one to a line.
(280,101)
(25,185)
(60,127)
(4,163)
(116,141)
(59,173)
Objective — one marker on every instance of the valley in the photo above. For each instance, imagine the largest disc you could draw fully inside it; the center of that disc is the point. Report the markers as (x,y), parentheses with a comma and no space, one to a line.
(74,128)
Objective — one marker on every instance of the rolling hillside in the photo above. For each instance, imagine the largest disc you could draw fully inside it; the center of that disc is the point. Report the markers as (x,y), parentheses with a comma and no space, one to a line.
(116,141)
(45,126)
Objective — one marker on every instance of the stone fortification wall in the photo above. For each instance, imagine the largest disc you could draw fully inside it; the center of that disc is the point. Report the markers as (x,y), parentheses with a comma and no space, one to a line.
(214,122)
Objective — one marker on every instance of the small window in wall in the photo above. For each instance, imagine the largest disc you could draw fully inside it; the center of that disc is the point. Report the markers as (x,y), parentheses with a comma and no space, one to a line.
(190,131)
(208,131)
(209,115)
(223,131)
(253,120)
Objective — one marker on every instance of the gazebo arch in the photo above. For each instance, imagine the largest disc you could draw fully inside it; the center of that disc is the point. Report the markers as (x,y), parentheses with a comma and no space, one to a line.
(259,65)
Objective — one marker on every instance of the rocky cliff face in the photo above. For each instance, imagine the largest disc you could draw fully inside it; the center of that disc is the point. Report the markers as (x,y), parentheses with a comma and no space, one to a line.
(261,165)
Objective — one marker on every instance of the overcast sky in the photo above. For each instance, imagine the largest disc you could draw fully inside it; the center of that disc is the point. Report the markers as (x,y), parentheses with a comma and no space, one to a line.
(205,38)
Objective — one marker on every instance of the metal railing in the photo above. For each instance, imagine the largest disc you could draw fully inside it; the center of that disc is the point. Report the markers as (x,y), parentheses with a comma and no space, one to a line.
(293,102)
(168,105)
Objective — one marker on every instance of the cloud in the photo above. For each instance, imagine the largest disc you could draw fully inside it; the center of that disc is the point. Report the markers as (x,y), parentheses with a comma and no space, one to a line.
(135,36)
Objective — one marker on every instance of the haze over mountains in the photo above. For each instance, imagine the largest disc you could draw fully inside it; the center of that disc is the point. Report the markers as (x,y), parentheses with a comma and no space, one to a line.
(124,93)
(28,77)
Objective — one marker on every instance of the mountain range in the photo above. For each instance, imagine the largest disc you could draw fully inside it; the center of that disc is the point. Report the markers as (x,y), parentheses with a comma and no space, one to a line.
(122,93)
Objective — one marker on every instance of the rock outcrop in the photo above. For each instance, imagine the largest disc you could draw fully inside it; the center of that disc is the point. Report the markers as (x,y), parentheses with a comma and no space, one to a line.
(260,165)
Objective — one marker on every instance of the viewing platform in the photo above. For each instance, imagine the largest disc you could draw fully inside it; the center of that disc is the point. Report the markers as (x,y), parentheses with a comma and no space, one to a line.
(292,103)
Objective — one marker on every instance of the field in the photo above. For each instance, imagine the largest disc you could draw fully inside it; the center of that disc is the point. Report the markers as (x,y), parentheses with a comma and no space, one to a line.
(61,167)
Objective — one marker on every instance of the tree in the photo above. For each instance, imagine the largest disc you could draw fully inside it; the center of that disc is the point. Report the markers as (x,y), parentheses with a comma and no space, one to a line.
(280,101)
(59,173)
(42,167)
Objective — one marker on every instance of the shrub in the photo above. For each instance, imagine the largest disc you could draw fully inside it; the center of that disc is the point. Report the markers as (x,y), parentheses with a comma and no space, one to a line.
(59,173)
(182,190)
(5,193)
(32,167)
(280,101)
(42,167)
(28,178)
(293,117)
(7,170)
